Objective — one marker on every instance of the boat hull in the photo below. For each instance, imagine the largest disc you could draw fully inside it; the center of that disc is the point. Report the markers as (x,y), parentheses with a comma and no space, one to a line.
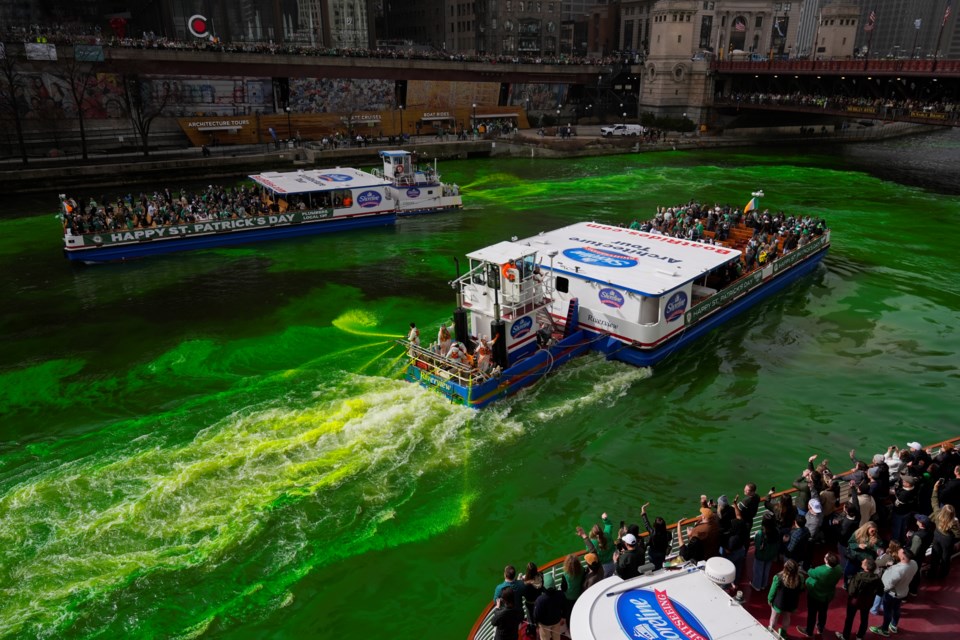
(617,350)
(123,252)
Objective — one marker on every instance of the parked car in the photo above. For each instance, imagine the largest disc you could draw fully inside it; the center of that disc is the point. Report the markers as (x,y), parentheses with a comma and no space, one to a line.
(622,130)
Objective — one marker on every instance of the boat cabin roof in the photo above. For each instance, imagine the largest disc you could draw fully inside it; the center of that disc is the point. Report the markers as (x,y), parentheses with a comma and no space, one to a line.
(502,252)
(394,154)
(646,263)
(315,180)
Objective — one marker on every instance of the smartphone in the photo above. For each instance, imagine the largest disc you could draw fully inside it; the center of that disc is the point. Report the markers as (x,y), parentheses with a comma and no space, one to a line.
(622,522)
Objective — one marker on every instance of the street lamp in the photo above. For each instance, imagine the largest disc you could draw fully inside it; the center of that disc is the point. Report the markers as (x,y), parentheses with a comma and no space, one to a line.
(474,120)
(287,109)
(401,124)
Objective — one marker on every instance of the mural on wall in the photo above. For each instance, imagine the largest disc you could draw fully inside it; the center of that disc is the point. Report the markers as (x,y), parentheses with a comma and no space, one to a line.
(433,95)
(46,96)
(212,96)
(332,95)
(537,97)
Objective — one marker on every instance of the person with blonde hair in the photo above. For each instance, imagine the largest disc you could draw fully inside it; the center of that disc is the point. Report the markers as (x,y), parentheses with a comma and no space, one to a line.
(864,544)
(946,533)
(784,597)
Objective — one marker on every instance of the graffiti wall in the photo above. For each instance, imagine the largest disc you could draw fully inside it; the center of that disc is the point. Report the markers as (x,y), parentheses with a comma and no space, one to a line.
(537,97)
(435,95)
(331,95)
(46,96)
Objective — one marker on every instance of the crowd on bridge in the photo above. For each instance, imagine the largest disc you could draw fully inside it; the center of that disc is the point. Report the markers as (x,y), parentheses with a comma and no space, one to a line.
(895,532)
(869,106)
(83,34)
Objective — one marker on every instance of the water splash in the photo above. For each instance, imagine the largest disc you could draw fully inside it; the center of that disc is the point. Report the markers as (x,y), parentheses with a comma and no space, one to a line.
(85,532)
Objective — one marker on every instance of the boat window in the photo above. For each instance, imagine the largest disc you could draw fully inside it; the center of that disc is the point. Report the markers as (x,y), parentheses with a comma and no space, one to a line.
(479,275)
(493,275)
(342,198)
(562,284)
(649,310)
(527,265)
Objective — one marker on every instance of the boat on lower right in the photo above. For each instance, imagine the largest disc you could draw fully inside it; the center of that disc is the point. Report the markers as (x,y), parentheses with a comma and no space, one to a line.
(634,294)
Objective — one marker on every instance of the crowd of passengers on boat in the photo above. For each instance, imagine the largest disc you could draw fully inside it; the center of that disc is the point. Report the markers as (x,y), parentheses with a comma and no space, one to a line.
(894,534)
(774,234)
(165,208)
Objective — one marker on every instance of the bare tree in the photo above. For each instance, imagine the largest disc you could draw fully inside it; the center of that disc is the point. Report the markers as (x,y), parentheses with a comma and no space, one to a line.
(143,106)
(79,77)
(12,83)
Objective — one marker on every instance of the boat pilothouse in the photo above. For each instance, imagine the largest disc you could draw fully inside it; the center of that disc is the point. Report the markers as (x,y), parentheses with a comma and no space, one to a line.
(507,297)
(416,189)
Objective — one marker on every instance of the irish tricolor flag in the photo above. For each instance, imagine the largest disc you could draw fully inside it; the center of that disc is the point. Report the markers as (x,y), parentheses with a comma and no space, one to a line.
(753,204)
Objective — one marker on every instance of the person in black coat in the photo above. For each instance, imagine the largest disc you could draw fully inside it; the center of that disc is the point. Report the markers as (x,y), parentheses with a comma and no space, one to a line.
(507,617)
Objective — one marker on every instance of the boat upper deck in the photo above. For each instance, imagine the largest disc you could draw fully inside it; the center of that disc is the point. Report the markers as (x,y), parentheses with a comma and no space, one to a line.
(644,263)
(317,180)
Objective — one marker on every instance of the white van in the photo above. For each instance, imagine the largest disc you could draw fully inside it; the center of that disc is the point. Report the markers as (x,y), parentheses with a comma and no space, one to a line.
(622,130)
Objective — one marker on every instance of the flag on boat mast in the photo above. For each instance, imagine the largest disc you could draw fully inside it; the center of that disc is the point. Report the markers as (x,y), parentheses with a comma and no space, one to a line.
(753,204)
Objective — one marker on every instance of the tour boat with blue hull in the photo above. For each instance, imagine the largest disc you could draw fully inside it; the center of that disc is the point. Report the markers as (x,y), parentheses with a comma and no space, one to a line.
(294,203)
(632,295)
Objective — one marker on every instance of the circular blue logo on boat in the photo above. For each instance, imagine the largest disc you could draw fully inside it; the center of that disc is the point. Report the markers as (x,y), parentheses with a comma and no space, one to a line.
(369,199)
(335,177)
(599,257)
(611,298)
(413,193)
(521,327)
(676,305)
(654,616)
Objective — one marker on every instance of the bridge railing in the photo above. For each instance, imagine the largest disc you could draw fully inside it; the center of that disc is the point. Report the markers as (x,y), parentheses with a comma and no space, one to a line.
(853,66)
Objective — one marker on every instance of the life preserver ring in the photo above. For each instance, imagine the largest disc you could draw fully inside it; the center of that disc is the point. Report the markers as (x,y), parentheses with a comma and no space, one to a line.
(508,271)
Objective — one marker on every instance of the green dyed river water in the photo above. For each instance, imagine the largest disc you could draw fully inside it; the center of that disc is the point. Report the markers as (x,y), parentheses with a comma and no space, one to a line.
(217,444)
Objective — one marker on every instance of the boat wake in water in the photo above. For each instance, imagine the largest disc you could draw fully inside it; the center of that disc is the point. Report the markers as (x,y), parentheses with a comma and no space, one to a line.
(169,528)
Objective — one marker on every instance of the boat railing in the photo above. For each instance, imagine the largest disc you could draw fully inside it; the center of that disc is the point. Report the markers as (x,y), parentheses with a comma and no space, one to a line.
(532,294)
(482,630)
(432,362)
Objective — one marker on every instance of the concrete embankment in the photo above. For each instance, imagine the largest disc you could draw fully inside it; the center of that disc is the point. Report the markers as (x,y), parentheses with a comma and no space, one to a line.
(44,174)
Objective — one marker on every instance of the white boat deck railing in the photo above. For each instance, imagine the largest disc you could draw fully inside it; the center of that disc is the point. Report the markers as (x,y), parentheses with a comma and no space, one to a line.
(443,367)
(532,294)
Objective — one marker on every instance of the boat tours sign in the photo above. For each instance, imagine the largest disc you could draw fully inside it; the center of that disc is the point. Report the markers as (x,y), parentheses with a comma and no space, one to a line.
(196,228)
(675,306)
(369,199)
(611,297)
(600,258)
(652,615)
(521,327)
(720,299)
(787,261)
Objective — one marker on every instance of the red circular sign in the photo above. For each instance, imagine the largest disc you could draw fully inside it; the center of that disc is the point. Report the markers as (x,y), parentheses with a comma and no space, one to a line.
(198,26)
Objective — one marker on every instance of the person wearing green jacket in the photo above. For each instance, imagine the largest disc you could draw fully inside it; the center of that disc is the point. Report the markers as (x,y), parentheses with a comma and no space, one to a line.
(600,542)
(821,586)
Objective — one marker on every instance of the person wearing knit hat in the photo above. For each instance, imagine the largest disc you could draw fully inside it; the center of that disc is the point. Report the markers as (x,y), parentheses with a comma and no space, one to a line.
(594,572)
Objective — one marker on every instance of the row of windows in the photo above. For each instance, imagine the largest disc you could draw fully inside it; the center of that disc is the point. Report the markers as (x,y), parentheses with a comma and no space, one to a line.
(463,9)
(530,6)
(843,22)
(785,7)
(461,26)
(675,18)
